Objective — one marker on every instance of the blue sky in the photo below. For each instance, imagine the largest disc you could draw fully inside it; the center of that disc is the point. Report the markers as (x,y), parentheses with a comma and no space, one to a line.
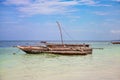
(81,19)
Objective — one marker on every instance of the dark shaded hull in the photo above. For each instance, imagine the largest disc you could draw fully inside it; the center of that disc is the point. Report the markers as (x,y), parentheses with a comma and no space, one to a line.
(115,42)
(60,52)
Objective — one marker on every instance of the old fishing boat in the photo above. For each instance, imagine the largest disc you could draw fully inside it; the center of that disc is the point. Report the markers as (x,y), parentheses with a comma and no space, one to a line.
(63,49)
(66,49)
(116,42)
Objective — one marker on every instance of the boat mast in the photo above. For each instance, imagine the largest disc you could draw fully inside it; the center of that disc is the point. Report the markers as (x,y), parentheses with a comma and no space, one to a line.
(60,31)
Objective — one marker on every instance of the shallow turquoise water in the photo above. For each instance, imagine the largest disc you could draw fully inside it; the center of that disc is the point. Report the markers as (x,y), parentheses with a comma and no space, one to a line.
(101,65)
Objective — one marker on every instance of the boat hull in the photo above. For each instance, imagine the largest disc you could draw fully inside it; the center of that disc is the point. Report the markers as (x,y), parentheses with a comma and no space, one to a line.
(62,50)
(115,42)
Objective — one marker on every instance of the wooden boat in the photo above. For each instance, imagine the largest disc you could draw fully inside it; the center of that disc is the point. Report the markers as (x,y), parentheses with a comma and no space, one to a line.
(64,49)
(116,42)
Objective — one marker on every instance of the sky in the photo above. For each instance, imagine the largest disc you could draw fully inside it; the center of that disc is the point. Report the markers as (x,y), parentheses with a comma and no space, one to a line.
(79,19)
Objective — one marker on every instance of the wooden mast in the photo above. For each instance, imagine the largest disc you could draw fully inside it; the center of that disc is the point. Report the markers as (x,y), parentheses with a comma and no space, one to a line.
(60,31)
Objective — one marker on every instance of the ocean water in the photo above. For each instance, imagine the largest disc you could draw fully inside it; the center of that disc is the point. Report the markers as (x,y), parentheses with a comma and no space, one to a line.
(100,65)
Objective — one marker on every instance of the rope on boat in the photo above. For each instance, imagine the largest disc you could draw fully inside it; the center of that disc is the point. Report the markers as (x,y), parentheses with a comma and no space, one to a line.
(67,34)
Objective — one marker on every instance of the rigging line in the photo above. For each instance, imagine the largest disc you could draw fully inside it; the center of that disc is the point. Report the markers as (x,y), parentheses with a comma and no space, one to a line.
(68,34)
(60,31)
(72,39)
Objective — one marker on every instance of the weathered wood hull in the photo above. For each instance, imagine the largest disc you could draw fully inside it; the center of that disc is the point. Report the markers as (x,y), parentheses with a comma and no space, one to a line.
(56,50)
(115,42)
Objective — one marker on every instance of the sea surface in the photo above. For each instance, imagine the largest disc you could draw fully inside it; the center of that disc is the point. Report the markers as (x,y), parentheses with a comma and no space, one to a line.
(102,64)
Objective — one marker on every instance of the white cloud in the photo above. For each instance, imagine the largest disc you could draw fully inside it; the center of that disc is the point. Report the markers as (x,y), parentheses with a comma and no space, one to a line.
(29,7)
(47,7)
(100,13)
(17,2)
(32,7)
(10,22)
(92,3)
(115,31)
(87,2)
(117,0)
